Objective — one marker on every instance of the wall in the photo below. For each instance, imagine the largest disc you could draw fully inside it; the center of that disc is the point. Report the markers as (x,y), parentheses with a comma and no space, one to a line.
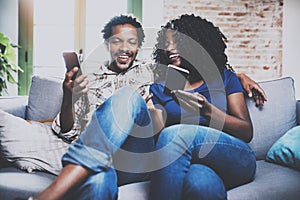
(263,35)
(9,26)
(291,41)
(253,29)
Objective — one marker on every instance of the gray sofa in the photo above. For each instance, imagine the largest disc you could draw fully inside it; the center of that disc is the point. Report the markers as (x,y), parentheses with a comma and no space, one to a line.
(272,181)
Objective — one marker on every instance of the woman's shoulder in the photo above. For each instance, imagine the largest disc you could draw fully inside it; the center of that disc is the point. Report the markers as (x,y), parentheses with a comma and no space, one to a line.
(229,76)
(227,73)
(231,82)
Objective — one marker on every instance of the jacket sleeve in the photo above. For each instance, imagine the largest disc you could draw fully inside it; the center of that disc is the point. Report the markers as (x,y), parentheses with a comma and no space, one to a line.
(69,136)
(80,121)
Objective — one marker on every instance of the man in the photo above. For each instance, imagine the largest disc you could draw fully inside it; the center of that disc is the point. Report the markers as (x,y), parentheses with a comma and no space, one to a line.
(122,69)
(88,171)
(123,37)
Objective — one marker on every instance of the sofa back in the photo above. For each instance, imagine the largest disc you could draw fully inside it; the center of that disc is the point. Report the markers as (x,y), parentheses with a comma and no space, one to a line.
(269,122)
(276,116)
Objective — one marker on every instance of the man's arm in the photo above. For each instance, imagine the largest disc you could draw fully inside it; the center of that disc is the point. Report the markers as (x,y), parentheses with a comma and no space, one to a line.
(253,89)
(72,90)
(70,176)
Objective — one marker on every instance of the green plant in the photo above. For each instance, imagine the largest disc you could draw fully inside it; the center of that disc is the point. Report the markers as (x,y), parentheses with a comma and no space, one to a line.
(7,63)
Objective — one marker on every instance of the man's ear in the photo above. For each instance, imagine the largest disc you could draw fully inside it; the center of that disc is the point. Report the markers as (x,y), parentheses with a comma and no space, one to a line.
(106,44)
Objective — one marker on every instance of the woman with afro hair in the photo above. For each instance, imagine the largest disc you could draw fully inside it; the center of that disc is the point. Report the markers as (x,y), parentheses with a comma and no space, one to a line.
(202,148)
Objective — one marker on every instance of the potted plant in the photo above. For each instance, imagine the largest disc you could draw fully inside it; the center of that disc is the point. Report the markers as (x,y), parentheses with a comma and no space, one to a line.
(7,63)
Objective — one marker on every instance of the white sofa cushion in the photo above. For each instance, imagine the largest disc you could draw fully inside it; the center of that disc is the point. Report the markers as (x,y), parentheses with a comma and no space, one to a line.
(32,146)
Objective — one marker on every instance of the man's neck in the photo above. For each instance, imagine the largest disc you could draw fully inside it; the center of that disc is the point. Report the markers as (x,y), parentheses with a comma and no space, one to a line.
(112,66)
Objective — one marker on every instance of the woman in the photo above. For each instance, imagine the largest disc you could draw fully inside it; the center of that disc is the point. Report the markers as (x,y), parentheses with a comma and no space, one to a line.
(203,147)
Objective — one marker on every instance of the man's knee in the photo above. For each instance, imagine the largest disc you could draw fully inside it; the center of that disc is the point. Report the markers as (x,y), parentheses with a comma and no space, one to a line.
(126,93)
(101,185)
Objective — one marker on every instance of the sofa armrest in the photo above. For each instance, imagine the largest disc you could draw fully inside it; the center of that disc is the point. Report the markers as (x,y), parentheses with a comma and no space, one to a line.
(298,112)
(15,105)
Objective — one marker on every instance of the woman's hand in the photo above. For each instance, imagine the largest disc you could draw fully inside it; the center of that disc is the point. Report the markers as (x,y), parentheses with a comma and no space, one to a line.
(193,102)
(237,122)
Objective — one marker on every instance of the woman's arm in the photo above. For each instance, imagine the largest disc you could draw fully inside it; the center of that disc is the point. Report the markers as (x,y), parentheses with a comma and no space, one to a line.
(236,123)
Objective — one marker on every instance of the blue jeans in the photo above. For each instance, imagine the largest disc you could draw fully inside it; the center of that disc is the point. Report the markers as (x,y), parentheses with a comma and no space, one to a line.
(200,163)
(113,146)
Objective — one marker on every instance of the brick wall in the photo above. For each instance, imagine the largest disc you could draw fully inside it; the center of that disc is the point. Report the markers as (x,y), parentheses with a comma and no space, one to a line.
(253,29)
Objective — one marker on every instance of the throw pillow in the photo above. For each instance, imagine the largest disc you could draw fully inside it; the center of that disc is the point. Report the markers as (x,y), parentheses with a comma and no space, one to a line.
(45,97)
(30,145)
(286,150)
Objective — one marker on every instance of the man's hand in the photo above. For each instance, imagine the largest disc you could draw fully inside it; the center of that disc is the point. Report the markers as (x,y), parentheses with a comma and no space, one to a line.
(74,89)
(157,116)
(253,89)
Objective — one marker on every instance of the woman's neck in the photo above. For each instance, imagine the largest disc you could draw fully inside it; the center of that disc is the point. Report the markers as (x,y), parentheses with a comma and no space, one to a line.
(189,86)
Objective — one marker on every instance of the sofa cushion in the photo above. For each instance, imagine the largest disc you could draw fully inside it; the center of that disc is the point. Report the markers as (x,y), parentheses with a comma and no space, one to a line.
(271,182)
(276,117)
(31,145)
(298,112)
(269,178)
(45,98)
(16,184)
(286,150)
(134,191)
(15,105)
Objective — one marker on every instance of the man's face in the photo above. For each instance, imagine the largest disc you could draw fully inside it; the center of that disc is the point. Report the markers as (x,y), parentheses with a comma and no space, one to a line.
(123,47)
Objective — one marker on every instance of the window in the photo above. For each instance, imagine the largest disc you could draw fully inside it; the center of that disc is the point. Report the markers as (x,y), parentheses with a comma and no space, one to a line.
(97,14)
(59,26)
(49,27)
(53,33)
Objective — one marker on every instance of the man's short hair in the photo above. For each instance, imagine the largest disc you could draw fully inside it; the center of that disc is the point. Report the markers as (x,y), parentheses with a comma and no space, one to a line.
(121,20)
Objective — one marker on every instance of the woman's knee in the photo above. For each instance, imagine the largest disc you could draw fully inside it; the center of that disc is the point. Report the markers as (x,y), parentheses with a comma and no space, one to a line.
(181,135)
(201,182)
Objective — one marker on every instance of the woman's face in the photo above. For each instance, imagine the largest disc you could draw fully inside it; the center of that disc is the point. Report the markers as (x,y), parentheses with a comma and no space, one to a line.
(170,49)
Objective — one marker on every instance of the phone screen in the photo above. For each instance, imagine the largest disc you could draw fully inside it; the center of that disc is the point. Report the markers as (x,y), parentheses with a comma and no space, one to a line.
(71,61)
(2,48)
(175,79)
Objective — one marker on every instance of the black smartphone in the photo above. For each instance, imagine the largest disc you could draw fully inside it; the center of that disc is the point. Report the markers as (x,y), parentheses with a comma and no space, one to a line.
(175,79)
(71,61)
(2,48)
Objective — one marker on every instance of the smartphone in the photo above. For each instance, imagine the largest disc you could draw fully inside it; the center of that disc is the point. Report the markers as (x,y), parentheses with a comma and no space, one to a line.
(2,48)
(71,61)
(175,79)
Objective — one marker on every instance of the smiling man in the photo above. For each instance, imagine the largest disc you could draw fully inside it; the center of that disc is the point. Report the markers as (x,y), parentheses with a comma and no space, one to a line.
(123,47)
(123,37)
(104,103)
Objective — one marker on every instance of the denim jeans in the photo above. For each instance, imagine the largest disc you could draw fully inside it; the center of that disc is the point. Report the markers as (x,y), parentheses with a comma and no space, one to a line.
(204,163)
(113,146)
